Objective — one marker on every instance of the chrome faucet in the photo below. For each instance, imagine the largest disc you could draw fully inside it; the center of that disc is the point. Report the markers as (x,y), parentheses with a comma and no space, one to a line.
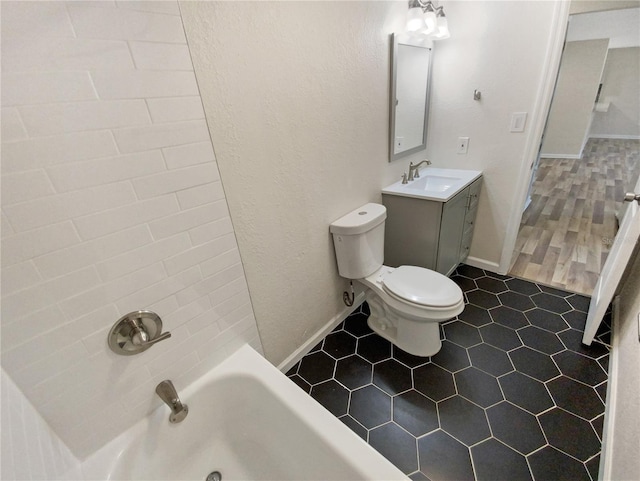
(168,394)
(414,173)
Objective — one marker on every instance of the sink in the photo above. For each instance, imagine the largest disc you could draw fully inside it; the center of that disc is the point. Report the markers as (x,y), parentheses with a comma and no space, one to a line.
(434,184)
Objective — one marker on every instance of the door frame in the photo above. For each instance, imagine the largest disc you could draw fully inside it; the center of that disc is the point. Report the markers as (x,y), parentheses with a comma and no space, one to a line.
(559,24)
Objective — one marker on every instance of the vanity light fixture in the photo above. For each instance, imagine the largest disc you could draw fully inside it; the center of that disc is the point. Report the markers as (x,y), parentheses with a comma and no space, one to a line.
(425,19)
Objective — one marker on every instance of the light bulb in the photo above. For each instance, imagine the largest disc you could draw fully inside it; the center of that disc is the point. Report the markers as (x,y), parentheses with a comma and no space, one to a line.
(443,29)
(415,20)
(430,23)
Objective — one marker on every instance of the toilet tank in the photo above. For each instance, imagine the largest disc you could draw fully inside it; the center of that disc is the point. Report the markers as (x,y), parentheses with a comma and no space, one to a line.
(358,238)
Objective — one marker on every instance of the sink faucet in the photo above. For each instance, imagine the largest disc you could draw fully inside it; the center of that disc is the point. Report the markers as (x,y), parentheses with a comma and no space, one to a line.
(414,173)
(168,394)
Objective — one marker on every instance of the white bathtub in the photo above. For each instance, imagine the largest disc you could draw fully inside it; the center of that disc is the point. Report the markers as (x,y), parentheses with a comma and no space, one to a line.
(248,421)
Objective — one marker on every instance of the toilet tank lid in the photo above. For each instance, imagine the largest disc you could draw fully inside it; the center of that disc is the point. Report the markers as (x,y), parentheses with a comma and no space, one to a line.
(359,220)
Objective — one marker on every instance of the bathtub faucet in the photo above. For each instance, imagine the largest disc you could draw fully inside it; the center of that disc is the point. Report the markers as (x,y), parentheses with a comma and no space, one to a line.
(413,169)
(168,394)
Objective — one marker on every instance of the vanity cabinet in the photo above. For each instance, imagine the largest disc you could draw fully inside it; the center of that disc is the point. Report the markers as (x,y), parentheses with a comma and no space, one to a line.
(429,233)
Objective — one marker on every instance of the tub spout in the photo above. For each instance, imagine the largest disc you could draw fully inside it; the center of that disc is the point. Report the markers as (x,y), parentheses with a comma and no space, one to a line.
(169,395)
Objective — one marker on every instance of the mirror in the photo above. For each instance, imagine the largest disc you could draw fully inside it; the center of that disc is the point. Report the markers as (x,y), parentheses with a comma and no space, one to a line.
(409,106)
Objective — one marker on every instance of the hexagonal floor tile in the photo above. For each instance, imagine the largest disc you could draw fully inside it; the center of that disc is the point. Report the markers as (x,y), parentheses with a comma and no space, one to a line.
(490,284)
(570,434)
(469,271)
(525,392)
(415,413)
(463,420)
(549,463)
(332,396)
(462,334)
(551,302)
(464,283)
(355,426)
(554,291)
(434,382)
(508,317)
(500,337)
(356,324)
(515,427)
(578,302)
(316,367)
(374,348)
(575,319)
(482,299)
(370,406)
(302,384)
(339,344)
(575,397)
(354,372)
(534,364)
(581,368)
(396,445)
(442,457)
(493,460)
(451,357)
(573,340)
(407,359)
(478,387)
(490,359)
(392,377)
(474,315)
(540,340)
(515,300)
(546,320)
(523,287)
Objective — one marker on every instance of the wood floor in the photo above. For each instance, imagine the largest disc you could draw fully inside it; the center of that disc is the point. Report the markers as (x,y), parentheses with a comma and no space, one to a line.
(567,229)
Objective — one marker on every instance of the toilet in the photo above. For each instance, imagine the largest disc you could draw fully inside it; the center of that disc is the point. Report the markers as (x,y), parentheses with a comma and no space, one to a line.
(408,302)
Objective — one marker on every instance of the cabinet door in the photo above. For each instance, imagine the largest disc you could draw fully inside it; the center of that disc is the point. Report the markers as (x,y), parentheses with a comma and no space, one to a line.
(451,230)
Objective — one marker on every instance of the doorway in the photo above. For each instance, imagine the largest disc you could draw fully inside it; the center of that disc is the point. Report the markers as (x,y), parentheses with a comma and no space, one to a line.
(589,155)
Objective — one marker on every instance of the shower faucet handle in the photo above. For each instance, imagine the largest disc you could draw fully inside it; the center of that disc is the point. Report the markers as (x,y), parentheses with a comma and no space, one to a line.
(136,332)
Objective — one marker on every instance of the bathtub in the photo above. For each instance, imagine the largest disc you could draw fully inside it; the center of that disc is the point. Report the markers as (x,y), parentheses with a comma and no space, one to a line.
(247,421)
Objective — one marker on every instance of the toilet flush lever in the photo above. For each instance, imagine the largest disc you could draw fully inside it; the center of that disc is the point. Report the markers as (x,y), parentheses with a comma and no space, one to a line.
(136,332)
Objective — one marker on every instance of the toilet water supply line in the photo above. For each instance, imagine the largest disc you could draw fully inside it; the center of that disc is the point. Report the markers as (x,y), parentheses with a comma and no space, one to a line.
(349,298)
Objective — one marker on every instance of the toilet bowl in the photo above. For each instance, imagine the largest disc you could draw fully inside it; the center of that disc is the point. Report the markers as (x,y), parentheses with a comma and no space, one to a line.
(407,303)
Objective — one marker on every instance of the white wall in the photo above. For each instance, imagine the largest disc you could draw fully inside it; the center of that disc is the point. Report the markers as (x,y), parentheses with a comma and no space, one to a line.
(621,89)
(572,109)
(296,95)
(500,49)
(30,448)
(622,448)
(111,202)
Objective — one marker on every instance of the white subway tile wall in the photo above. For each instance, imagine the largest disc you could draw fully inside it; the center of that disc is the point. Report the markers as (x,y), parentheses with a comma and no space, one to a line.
(30,448)
(111,202)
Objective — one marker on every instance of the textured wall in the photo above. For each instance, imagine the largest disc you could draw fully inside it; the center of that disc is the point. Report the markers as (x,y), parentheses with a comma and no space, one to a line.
(620,86)
(111,202)
(296,95)
(571,111)
(500,49)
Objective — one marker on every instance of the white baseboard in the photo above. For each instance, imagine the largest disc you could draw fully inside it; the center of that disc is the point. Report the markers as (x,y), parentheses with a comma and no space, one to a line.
(610,406)
(621,137)
(299,353)
(560,156)
(483,264)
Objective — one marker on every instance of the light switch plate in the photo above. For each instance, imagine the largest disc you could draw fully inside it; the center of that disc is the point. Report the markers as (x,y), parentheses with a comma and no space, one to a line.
(518,121)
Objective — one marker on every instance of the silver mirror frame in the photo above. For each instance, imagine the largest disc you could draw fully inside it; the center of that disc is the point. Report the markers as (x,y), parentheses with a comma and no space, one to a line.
(397,39)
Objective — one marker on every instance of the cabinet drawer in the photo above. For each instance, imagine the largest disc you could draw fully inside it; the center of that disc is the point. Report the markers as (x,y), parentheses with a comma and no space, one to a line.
(474,194)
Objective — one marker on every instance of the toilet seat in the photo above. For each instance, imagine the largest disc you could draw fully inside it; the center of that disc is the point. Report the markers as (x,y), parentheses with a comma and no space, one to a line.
(421,286)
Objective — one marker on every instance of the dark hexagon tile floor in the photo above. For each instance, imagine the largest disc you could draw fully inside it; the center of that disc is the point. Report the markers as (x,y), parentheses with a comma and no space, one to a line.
(512,394)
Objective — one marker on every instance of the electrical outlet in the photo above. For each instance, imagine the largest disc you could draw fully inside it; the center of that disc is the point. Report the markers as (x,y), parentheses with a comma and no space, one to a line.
(463,145)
